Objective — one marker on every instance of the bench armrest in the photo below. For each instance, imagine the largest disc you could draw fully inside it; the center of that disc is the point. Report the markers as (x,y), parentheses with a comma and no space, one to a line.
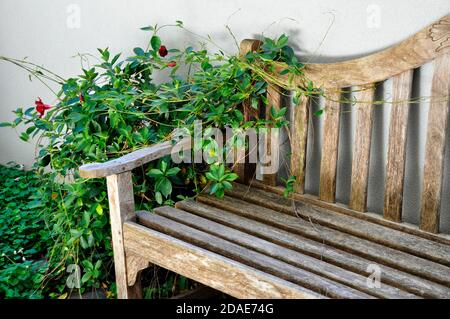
(126,162)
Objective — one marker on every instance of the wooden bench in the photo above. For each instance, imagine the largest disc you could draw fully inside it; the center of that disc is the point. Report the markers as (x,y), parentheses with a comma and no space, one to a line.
(254,243)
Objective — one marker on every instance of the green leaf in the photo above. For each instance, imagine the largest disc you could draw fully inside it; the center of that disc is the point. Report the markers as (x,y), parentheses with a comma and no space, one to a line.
(273,112)
(99,209)
(173,171)
(98,264)
(84,243)
(210,176)
(154,172)
(30,129)
(5,124)
(158,198)
(282,40)
(231,177)
(319,112)
(24,136)
(116,57)
(139,51)
(86,277)
(155,42)
(214,188)
(255,103)
(75,233)
(148,28)
(163,166)
(164,185)
(227,185)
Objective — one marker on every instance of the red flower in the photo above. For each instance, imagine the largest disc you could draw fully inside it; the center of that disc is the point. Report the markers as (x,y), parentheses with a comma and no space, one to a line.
(162,51)
(171,64)
(41,107)
(81,98)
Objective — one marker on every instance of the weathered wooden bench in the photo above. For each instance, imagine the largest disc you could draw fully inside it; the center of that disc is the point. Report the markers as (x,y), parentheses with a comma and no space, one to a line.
(256,243)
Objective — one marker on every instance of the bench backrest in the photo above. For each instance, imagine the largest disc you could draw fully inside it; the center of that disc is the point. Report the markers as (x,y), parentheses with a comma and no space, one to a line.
(360,76)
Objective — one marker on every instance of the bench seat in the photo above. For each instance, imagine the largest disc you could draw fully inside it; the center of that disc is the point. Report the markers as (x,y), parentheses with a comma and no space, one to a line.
(298,247)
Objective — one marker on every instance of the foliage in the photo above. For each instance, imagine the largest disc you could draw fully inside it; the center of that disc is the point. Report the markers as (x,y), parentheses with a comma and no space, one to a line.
(115,107)
(24,237)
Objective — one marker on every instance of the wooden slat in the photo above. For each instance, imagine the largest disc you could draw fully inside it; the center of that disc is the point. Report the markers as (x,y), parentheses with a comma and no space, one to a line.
(435,145)
(417,246)
(396,156)
(361,151)
(343,259)
(328,164)
(299,135)
(208,268)
(274,100)
(243,166)
(292,257)
(359,246)
(121,208)
(249,257)
(245,169)
(370,217)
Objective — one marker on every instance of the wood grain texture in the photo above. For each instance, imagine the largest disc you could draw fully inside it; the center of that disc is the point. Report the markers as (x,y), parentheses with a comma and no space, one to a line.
(249,45)
(361,148)
(243,166)
(417,246)
(209,268)
(365,248)
(274,97)
(435,145)
(319,250)
(279,252)
(246,170)
(330,140)
(130,161)
(299,136)
(121,209)
(249,257)
(396,156)
(418,49)
(370,217)
(135,264)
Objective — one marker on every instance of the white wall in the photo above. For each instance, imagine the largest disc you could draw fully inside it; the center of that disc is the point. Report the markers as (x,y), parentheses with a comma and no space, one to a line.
(43,31)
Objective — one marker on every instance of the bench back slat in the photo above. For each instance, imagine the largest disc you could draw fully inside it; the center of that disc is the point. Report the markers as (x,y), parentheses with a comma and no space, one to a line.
(435,145)
(299,137)
(396,156)
(274,96)
(328,163)
(361,152)
(243,167)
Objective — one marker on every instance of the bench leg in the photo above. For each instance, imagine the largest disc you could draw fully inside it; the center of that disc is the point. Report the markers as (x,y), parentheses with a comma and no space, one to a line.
(121,209)
(135,265)
(134,291)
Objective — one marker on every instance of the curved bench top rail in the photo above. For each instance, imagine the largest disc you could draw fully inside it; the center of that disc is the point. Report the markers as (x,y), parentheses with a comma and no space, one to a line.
(418,49)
